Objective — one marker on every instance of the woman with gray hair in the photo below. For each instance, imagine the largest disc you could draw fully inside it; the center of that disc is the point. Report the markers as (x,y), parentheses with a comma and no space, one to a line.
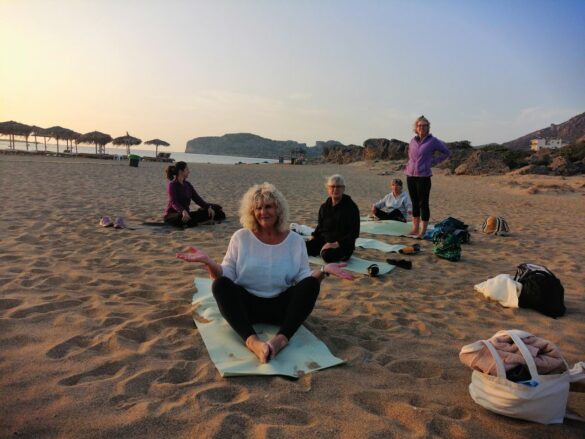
(418,172)
(265,275)
(338,224)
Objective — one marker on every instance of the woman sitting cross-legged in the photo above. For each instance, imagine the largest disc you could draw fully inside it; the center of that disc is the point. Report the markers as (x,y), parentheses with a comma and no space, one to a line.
(265,275)
(338,224)
(394,206)
(180,193)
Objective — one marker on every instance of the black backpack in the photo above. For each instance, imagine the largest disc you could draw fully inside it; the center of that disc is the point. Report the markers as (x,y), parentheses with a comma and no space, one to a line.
(541,290)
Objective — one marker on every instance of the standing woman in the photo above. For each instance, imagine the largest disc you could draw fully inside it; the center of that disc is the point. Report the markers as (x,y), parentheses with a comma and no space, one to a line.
(180,193)
(265,275)
(418,172)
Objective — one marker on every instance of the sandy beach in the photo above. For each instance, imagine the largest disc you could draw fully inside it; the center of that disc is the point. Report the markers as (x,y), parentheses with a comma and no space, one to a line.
(97,338)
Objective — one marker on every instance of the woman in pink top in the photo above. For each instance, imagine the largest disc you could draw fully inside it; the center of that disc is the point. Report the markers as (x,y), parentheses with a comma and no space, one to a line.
(421,159)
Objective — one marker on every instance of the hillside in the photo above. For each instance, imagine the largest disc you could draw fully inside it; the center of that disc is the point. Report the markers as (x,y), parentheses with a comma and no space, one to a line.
(244,145)
(571,131)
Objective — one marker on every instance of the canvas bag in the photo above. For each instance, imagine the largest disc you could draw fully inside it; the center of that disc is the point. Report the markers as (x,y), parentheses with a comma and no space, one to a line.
(496,225)
(544,403)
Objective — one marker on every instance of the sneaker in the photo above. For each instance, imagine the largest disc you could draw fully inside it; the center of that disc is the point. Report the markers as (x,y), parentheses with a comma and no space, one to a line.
(119,223)
(106,221)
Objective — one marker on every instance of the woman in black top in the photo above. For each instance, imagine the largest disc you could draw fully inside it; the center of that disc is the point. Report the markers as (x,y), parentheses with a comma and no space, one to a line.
(180,193)
(338,225)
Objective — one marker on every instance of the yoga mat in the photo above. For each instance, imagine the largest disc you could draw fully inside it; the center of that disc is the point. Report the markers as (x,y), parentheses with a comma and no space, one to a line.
(357,265)
(389,227)
(378,245)
(304,354)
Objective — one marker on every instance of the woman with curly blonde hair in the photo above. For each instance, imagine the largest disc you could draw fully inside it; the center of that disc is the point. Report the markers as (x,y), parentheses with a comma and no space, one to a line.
(265,275)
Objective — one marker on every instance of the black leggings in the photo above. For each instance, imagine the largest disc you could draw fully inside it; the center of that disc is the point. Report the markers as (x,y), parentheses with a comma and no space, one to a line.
(394,214)
(198,216)
(419,189)
(331,254)
(289,309)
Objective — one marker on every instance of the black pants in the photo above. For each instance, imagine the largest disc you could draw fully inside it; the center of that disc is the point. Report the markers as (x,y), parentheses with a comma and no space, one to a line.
(198,216)
(288,310)
(331,254)
(419,189)
(394,214)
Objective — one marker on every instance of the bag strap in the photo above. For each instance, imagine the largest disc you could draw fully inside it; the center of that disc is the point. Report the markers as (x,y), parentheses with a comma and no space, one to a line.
(577,373)
(525,353)
(501,370)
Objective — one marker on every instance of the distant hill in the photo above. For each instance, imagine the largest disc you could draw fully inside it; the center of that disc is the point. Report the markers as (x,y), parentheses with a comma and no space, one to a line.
(244,145)
(570,131)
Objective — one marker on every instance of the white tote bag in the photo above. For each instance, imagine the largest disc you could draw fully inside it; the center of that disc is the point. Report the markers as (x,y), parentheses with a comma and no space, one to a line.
(543,401)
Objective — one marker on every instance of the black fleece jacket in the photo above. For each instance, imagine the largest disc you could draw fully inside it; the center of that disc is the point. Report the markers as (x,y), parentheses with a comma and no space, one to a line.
(339,223)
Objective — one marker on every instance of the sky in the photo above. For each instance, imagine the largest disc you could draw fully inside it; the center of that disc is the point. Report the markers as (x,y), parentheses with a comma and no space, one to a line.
(303,70)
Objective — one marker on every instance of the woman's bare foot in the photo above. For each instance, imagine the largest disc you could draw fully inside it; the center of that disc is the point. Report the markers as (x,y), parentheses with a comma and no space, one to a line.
(277,344)
(258,348)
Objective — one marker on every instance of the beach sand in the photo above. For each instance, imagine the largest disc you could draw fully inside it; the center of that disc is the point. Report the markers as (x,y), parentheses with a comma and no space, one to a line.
(97,338)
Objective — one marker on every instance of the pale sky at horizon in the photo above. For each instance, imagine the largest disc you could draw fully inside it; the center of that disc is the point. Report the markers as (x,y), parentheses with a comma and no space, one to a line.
(303,70)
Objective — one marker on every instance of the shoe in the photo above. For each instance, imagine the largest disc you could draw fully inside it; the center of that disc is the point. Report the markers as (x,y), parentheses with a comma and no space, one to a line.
(373,270)
(106,221)
(402,263)
(119,223)
(410,250)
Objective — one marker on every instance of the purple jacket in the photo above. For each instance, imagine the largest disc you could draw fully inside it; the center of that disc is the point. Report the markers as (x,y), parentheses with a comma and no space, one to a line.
(420,156)
(180,196)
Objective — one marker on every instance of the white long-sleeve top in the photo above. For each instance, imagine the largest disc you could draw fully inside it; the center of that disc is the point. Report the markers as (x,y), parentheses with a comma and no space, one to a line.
(265,270)
(401,202)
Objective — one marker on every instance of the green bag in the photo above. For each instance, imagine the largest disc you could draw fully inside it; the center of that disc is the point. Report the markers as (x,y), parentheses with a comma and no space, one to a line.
(447,246)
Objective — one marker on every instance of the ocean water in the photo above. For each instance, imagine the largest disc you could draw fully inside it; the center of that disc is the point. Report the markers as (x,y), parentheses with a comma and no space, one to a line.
(178,156)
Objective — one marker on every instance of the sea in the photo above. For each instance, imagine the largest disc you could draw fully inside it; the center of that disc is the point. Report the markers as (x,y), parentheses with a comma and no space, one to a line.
(178,156)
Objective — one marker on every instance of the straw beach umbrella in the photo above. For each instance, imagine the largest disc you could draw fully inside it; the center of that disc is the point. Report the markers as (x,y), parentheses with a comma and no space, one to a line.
(66,134)
(99,139)
(39,132)
(12,128)
(127,140)
(157,143)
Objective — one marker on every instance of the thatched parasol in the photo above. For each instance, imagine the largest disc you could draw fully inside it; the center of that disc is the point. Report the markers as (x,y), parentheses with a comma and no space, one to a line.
(66,134)
(99,139)
(127,140)
(157,143)
(12,128)
(39,132)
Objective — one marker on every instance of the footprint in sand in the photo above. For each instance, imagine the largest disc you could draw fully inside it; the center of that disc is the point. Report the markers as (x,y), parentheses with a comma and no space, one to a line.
(74,343)
(100,373)
(233,425)
(46,308)
(408,420)
(223,394)
(9,303)
(416,368)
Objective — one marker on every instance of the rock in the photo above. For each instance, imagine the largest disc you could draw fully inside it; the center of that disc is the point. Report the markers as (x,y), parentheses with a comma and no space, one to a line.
(561,166)
(385,149)
(482,162)
(531,169)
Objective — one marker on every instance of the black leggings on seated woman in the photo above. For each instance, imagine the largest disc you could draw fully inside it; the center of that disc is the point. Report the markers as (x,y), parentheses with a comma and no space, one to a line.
(242,309)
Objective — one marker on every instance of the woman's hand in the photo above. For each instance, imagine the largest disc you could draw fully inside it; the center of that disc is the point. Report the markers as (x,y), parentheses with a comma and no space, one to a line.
(186,216)
(211,212)
(336,269)
(194,255)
